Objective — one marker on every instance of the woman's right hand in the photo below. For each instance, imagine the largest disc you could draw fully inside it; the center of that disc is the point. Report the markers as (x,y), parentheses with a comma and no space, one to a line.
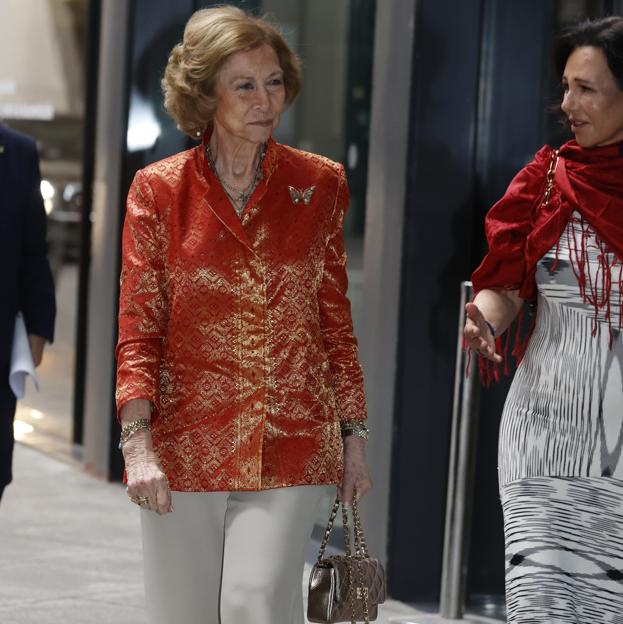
(145,475)
(478,335)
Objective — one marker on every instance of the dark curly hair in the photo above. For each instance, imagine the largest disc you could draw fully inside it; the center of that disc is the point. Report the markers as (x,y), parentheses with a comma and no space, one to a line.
(605,34)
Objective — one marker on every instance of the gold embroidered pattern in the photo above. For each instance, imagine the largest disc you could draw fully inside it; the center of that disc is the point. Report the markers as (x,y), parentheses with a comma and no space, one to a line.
(239,330)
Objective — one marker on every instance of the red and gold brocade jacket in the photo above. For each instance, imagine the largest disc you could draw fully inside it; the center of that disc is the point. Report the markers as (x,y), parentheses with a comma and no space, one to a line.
(238,330)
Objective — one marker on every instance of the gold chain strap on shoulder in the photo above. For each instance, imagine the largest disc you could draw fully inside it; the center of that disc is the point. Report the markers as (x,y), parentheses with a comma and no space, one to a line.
(551,174)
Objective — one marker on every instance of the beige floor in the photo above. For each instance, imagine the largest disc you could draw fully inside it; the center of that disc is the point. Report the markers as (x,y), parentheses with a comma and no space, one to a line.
(69,544)
(70,549)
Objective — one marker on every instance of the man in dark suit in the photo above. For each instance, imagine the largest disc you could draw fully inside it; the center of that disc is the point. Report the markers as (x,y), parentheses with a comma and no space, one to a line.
(26,282)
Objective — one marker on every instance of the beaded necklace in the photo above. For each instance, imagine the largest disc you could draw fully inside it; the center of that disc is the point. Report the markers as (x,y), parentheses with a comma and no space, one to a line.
(238,197)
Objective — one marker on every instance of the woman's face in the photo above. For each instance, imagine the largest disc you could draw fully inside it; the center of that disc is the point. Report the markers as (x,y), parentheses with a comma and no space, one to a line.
(592,102)
(250,94)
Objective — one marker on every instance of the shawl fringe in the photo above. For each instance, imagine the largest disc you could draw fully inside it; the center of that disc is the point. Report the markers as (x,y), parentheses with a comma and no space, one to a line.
(526,223)
(512,343)
(596,292)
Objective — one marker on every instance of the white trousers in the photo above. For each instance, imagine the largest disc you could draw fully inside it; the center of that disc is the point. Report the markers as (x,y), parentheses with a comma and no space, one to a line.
(229,557)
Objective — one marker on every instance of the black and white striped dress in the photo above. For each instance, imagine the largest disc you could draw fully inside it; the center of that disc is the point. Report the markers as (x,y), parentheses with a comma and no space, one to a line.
(561,437)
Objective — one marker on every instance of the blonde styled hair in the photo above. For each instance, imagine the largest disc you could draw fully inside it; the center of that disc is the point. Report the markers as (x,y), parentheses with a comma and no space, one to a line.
(210,37)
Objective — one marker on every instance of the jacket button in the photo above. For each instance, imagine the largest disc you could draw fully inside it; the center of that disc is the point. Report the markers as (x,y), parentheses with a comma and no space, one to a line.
(258,405)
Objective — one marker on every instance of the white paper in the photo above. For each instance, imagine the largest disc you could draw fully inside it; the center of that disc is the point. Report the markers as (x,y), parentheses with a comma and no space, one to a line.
(21,360)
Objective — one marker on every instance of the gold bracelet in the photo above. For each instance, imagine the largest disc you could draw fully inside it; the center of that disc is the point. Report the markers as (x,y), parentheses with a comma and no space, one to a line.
(355,428)
(127,431)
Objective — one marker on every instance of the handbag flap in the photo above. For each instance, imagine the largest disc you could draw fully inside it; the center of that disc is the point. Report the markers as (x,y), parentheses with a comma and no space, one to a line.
(371,570)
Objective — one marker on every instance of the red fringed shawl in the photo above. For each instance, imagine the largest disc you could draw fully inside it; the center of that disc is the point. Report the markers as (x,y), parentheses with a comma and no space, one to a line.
(521,228)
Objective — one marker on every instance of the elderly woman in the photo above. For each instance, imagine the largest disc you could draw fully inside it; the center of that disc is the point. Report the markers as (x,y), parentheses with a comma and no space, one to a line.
(556,238)
(239,390)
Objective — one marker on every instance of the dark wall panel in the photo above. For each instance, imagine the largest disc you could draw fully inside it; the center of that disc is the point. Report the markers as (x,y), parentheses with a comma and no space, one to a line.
(439,214)
(512,115)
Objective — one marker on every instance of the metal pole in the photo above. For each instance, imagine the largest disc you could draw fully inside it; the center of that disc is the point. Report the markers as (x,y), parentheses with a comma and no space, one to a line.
(460,476)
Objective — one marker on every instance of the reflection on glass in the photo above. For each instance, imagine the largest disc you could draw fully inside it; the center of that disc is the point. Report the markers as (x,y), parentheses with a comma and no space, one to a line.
(143,126)
(42,94)
(36,414)
(21,430)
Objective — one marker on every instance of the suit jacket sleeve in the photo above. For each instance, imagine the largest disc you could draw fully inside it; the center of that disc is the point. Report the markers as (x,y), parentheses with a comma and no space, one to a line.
(36,287)
(142,299)
(335,318)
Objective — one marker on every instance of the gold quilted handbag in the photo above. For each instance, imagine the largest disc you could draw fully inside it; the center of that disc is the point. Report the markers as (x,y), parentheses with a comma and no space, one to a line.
(345,588)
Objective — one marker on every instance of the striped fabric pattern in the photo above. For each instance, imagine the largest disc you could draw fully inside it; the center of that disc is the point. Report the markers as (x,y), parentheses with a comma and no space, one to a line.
(561,437)
(564,550)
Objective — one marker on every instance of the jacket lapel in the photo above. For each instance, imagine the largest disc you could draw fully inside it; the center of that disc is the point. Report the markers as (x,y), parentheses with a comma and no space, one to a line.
(216,201)
(268,166)
(219,203)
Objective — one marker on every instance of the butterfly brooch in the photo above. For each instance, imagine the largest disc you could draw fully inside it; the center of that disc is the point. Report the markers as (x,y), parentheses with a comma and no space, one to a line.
(304,195)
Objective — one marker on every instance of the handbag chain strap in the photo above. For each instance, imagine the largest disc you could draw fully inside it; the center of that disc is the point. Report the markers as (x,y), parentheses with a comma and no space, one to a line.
(361,551)
(325,539)
(349,564)
(360,538)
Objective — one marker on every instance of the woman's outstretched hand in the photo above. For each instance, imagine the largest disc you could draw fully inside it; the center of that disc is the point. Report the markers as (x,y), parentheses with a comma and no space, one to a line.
(478,335)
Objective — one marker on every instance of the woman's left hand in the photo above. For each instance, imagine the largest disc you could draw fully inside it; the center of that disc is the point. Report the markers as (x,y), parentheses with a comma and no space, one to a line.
(356,475)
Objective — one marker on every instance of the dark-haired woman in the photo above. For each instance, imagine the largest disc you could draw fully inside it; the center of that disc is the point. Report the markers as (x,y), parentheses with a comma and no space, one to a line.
(556,238)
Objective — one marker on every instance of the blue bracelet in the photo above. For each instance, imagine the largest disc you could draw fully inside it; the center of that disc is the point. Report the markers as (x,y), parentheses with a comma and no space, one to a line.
(491,328)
